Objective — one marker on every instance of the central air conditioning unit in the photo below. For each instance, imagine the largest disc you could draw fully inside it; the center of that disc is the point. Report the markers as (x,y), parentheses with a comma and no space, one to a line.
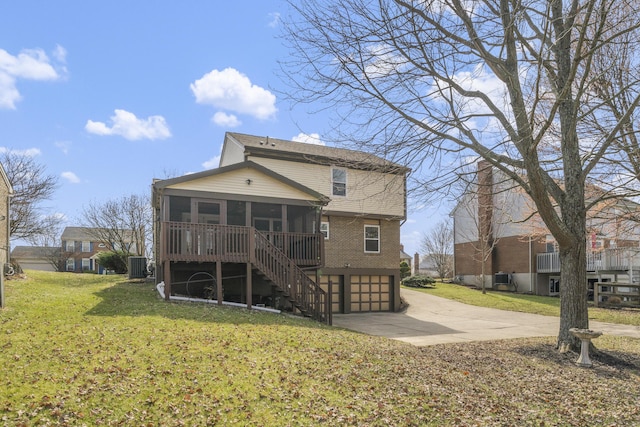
(501,279)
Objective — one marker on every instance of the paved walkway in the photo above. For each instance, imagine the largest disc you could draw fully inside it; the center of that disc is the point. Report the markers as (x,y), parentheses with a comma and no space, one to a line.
(433,320)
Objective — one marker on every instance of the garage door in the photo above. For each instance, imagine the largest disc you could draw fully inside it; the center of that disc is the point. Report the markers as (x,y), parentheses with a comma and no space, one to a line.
(370,293)
(337,286)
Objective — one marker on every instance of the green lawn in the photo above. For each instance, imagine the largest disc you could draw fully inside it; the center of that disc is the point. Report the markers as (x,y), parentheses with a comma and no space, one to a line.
(101,350)
(549,306)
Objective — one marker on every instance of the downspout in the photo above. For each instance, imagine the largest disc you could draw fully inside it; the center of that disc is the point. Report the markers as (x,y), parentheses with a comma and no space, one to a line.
(531,284)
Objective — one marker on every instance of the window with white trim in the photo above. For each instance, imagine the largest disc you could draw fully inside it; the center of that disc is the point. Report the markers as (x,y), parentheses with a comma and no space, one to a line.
(372,239)
(324,229)
(86,246)
(338,182)
(70,246)
(86,264)
(71,264)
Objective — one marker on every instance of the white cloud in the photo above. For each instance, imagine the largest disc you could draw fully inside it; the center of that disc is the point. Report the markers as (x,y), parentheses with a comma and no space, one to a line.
(233,91)
(71,177)
(212,163)
(64,146)
(30,152)
(127,125)
(60,53)
(29,64)
(312,138)
(274,19)
(225,120)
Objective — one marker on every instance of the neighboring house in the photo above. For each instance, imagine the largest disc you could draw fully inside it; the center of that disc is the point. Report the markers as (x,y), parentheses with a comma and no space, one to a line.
(276,218)
(429,264)
(523,256)
(6,191)
(40,258)
(405,256)
(80,247)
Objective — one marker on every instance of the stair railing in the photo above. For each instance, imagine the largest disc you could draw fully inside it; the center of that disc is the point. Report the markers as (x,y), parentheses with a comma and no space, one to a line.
(290,279)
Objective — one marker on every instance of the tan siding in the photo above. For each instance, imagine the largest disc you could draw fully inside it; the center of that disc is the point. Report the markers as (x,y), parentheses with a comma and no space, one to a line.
(233,153)
(367,192)
(235,182)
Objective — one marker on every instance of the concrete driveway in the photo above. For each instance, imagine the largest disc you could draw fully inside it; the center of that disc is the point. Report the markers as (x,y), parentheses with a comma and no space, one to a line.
(433,320)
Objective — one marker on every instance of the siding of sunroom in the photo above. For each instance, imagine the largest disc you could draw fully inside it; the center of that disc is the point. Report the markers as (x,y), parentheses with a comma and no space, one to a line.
(246,182)
(368,192)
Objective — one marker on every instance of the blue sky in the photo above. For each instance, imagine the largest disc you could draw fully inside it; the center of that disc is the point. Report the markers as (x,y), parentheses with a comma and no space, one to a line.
(109,95)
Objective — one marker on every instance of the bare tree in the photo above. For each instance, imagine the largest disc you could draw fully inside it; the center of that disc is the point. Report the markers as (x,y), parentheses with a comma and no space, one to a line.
(32,186)
(122,224)
(429,83)
(437,246)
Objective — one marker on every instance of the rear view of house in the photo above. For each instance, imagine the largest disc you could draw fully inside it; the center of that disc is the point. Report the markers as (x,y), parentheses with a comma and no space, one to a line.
(286,225)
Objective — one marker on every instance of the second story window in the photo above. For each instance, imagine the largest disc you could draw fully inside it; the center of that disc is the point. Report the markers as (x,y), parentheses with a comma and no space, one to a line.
(70,247)
(339,182)
(86,246)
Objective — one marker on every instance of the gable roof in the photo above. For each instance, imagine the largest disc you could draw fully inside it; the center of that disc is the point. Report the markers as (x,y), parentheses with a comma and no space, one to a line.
(312,153)
(4,177)
(32,252)
(85,234)
(160,184)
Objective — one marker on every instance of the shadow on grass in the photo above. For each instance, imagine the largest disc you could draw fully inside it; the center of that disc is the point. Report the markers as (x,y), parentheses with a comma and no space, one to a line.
(606,364)
(140,298)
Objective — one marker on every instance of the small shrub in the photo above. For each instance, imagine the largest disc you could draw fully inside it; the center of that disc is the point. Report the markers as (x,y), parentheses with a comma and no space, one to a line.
(405,270)
(116,261)
(419,281)
(614,300)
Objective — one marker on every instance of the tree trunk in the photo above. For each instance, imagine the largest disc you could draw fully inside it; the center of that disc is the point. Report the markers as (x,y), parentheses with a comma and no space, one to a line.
(573,294)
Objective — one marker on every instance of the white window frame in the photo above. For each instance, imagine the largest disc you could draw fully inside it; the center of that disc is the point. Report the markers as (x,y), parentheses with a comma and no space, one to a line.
(334,182)
(324,229)
(70,246)
(86,264)
(554,282)
(370,239)
(86,246)
(70,263)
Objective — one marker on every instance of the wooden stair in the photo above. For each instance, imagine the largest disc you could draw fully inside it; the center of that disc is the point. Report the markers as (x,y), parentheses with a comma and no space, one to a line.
(289,280)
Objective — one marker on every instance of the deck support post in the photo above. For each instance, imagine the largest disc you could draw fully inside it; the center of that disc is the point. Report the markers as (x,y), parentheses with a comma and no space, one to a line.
(249,286)
(219,295)
(167,279)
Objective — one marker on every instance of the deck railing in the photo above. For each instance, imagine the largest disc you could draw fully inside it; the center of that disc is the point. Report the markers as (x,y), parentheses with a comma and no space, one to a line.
(185,241)
(614,259)
(277,255)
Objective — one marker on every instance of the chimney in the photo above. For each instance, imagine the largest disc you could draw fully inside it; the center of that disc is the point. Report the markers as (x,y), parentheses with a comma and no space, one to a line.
(485,207)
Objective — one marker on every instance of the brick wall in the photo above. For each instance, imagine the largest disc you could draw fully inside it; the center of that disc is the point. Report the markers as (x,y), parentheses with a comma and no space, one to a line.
(509,254)
(346,244)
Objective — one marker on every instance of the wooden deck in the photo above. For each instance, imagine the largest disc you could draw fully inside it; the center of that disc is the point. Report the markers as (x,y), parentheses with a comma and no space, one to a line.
(277,256)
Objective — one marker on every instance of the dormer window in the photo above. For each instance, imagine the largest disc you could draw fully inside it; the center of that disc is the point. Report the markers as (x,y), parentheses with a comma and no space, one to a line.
(339,182)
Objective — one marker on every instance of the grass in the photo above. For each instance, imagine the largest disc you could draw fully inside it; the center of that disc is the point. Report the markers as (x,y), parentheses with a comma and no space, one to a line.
(548,306)
(101,350)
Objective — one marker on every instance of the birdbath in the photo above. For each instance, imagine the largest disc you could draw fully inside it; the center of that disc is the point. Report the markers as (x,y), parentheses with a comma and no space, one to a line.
(586,335)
